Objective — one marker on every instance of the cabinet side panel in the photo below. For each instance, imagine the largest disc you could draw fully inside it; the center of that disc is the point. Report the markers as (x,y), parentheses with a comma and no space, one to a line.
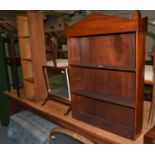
(29,89)
(22,25)
(37,41)
(140,61)
(27,69)
(25,52)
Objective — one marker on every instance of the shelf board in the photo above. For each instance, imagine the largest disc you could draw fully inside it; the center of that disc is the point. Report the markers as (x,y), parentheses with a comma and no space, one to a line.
(27,59)
(105,67)
(30,79)
(123,101)
(24,37)
(150,82)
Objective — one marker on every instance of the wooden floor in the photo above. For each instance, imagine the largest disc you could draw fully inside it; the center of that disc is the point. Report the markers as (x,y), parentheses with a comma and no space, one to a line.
(55,111)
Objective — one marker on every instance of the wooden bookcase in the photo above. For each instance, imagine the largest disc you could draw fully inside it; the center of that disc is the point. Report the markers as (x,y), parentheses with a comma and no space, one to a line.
(32,52)
(106,66)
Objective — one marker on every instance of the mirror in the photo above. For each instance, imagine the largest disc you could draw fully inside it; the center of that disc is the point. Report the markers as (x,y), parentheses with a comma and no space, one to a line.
(57,82)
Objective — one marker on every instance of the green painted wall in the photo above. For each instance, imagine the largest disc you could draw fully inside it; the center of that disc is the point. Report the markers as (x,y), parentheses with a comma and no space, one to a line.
(4,101)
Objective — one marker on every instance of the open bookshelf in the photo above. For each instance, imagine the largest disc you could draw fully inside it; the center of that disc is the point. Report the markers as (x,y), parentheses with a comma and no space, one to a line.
(32,53)
(106,66)
(105,97)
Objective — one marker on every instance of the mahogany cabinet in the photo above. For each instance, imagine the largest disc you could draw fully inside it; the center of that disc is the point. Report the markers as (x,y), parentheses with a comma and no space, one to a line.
(32,52)
(106,66)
